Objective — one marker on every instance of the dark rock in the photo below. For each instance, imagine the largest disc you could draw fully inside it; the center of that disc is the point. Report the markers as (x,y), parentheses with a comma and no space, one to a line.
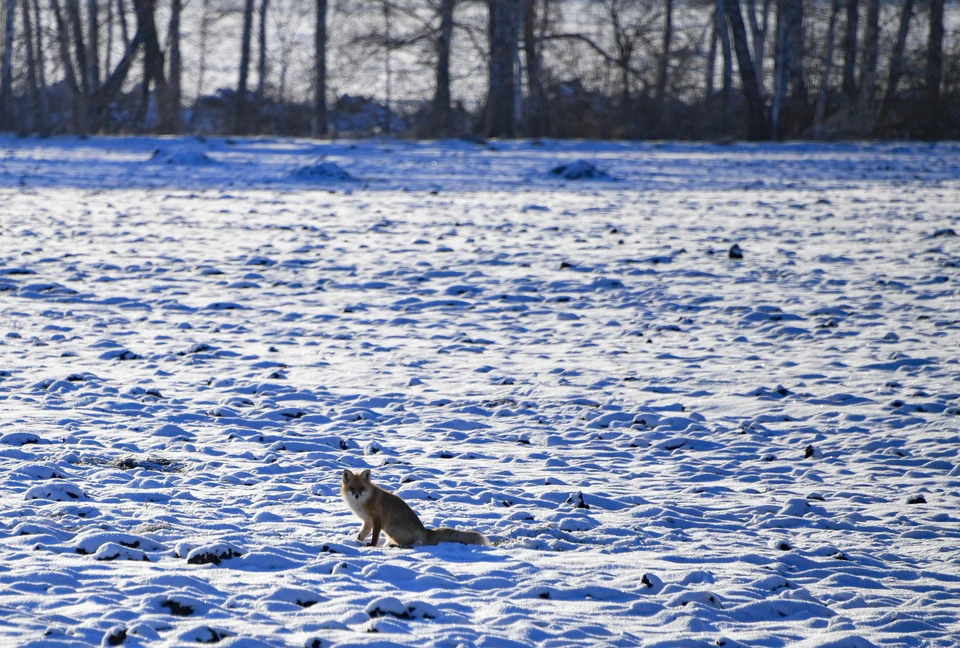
(735,252)
(177,609)
(115,636)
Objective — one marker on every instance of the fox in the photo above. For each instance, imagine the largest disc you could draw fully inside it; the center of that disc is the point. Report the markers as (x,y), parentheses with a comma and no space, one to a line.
(381,510)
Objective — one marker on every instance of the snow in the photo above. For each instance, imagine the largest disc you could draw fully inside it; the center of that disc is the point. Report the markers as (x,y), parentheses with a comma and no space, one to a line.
(666,445)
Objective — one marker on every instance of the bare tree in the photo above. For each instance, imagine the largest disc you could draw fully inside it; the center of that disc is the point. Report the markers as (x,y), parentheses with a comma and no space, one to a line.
(534,26)
(504,26)
(79,48)
(41,66)
(176,66)
(287,19)
(850,50)
(262,54)
(153,66)
(441,95)
(827,69)
(933,72)
(319,119)
(203,35)
(37,93)
(868,63)
(723,31)
(663,64)
(240,108)
(114,82)
(896,58)
(93,42)
(78,111)
(108,63)
(758,30)
(122,19)
(757,128)
(7,118)
(788,58)
(711,57)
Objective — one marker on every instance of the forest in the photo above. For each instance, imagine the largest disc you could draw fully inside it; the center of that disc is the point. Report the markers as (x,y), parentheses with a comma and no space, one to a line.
(607,69)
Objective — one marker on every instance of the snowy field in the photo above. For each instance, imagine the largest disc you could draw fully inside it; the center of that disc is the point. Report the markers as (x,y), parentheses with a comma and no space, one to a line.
(195,343)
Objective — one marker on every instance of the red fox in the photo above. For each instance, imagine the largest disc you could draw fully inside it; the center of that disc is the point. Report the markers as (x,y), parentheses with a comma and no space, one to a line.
(381,510)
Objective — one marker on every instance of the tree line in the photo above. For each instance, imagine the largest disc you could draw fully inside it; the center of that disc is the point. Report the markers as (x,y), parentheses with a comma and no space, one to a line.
(689,69)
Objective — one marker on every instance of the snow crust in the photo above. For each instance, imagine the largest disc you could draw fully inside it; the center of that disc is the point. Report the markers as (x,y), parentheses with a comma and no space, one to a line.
(667,445)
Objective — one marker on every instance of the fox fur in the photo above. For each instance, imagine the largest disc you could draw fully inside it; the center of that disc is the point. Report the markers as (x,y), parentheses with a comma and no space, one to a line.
(382,511)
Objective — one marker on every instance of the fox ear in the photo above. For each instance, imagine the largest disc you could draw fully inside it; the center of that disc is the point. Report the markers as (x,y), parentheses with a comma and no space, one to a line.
(347,475)
(365,475)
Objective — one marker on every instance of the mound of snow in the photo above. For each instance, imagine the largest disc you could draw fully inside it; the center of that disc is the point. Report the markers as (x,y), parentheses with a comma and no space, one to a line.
(213,554)
(20,438)
(113,551)
(580,170)
(323,171)
(93,541)
(62,492)
(181,158)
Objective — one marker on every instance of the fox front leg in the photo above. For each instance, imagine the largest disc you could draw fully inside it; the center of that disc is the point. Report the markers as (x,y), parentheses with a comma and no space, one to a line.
(375,540)
(364,531)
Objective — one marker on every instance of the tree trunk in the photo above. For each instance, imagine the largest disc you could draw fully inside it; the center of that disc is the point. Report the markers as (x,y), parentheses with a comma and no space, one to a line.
(108,62)
(153,60)
(933,74)
(37,95)
(145,80)
(724,32)
(176,66)
(756,121)
(202,46)
(711,57)
(797,80)
(262,55)
(77,108)
(7,117)
(759,38)
(441,94)
(93,46)
(319,120)
(503,27)
(114,83)
(788,63)
(868,62)
(781,63)
(240,106)
(850,51)
(122,18)
(532,54)
(79,47)
(827,70)
(896,58)
(388,75)
(41,65)
(663,65)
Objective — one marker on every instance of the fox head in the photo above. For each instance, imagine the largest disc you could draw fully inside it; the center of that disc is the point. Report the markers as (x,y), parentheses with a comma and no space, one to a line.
(356,486)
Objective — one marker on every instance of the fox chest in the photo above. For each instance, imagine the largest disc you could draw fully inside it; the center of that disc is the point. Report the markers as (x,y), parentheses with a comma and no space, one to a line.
(356,505)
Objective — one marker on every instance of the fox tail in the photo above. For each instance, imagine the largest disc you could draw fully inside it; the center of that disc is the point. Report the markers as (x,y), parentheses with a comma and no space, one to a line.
(444,534)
